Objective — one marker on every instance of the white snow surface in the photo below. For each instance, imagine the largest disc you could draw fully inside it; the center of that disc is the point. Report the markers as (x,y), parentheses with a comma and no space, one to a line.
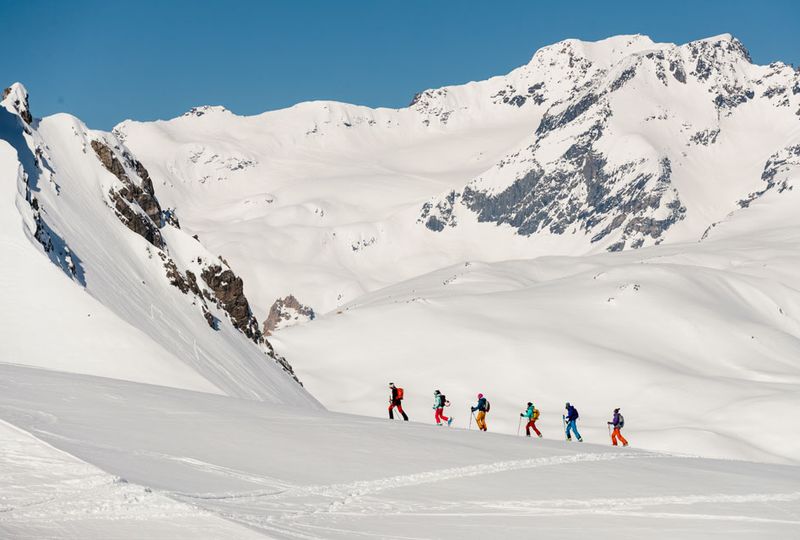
(179,463)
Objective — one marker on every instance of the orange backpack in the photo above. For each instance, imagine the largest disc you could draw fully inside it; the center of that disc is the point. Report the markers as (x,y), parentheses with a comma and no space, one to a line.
(399,393)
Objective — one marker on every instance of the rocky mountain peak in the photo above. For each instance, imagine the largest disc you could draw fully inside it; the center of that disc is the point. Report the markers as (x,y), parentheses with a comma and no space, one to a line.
(15,99)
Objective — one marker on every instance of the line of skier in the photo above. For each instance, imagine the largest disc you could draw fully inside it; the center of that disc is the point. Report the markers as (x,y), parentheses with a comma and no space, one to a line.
(531,413)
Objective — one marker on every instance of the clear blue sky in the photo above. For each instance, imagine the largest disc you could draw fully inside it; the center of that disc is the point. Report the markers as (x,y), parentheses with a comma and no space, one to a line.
(108,60)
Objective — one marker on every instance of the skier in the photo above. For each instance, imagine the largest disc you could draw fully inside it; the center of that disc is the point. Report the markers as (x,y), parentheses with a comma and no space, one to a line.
(439,403)
(618,421)
(395,400)
(532,414)
(571,420)
(482,407)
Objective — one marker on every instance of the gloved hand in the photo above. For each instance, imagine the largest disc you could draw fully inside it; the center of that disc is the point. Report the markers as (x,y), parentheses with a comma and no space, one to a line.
(521,415)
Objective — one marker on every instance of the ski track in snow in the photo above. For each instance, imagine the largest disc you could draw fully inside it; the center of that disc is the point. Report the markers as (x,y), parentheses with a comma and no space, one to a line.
(349,499)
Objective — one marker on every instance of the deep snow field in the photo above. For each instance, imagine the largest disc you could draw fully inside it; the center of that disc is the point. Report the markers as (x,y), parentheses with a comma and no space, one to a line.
(169,463)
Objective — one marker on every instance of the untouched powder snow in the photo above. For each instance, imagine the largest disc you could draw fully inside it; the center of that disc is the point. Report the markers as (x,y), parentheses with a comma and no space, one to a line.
(288,473)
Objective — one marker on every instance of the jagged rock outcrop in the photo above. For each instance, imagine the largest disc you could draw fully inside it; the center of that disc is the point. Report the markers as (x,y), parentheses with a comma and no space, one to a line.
(285,312)
(776,173)
(19,100)
(228,291)
(573,174)
(135,204)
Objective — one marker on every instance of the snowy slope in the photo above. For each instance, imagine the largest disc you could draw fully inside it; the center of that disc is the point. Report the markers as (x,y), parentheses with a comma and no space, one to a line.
(189,458)
(698,343)
(48,493)
(463,241)
(109,300)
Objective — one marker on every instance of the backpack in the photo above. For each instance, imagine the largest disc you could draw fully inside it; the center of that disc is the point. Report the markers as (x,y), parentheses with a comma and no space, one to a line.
(399,393)
(535,414)
(576,413)
(621,421)
(442,401)
(488,406)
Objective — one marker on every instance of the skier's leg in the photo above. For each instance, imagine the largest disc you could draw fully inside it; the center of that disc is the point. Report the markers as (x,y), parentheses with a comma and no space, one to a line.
(533,425)
(442,416)
(575,429)
(402,412)
(391,414)
(528,427)
(614,436)
(621,438)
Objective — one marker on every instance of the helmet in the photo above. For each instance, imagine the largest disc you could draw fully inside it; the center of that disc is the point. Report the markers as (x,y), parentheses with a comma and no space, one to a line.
(529,404)
(616,410)
(480,396)
(391,384)
(567,404)
(435,392)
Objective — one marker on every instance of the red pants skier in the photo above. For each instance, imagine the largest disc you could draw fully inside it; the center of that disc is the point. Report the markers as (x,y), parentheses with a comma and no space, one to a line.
(531,425)
(396,400)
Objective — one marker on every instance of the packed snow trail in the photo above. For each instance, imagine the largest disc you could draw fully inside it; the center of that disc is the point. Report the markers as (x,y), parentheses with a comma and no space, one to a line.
(291,473)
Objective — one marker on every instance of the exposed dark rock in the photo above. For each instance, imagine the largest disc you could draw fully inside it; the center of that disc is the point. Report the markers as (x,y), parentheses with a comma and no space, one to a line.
(228,291)
(286,309)
(623,78)
(437,217)
(551,199)
(550,122)
(705,137)
(676,68)
(775,173)
(22,106)
(136,206)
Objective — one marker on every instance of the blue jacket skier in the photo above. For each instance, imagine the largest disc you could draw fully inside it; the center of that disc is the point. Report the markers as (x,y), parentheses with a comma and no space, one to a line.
(570,420)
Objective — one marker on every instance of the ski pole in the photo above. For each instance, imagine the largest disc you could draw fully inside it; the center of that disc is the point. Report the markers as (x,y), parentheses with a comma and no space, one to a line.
(519,425)
(564,421)
(471,416)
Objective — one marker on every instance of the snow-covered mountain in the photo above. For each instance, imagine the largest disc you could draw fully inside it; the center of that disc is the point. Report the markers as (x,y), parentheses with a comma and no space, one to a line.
(614,224)
(422,238)
(619,144)
(128,293)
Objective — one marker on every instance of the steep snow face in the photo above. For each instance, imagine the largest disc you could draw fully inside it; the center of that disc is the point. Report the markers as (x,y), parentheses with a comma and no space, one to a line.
(619,144)
(160,308)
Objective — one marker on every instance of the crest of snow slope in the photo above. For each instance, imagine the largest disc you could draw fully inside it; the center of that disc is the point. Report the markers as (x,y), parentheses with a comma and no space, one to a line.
(611,145)
(265,467)
(59,203)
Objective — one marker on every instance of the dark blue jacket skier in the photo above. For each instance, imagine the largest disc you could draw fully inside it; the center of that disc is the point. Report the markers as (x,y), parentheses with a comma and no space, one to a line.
(571,419)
